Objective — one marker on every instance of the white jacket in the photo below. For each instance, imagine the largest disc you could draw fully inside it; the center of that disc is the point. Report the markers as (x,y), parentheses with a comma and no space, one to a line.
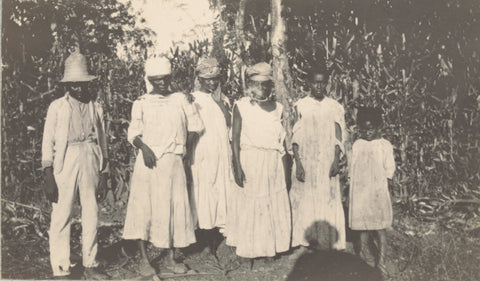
(55,133)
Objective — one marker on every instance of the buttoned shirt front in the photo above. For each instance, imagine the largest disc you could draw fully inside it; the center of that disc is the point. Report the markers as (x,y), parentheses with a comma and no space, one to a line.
(57,135)
(81,124)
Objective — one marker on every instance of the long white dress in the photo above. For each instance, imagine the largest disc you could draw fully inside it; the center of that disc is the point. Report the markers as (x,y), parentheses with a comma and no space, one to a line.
(158,207)
(212,166)
(263,209)
(317,212)
(370,207)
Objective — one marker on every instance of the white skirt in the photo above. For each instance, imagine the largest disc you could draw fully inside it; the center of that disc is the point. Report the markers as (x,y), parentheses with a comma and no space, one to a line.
(211,182)
(158,207)
(262,223)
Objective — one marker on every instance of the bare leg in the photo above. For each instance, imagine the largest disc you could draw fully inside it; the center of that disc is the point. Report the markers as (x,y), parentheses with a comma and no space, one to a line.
(248,261)
(173,265)
(143,251)
(357,245)
(171,256)
(202,238)
(145,268)
(362,244)
(381,239)
(365,250)
(215,240)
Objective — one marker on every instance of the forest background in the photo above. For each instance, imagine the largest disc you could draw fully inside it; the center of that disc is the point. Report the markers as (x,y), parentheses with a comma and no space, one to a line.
(417,60)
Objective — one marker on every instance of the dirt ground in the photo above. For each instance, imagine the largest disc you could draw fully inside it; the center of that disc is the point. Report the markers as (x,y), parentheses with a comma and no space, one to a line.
(407,249)
(29,260)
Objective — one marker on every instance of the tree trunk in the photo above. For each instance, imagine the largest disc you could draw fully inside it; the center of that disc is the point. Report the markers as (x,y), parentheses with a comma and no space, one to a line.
(281,70)
(218,49)
(240,38)
(219,31)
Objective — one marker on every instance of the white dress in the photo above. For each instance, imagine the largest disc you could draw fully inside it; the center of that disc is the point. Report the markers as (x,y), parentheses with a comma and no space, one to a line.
(263,221)
(158,207)
(317,211)
(370,205)
(212,166)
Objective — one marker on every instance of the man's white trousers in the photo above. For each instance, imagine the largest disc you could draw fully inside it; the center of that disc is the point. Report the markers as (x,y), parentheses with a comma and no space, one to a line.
(80,174)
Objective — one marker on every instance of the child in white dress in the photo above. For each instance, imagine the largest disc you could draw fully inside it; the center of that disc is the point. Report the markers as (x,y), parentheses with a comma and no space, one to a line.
(263,213)
(158,207)
(372,167)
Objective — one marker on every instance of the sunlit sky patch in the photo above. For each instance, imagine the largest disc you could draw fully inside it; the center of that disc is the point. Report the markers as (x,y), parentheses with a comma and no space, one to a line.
(176,22)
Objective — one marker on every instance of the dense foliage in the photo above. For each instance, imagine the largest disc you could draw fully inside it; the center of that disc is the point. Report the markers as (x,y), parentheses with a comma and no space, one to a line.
(37,38)
(418,60)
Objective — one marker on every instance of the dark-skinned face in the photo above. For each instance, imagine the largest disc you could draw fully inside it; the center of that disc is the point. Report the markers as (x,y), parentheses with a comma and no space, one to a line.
(79,91)
(160,83)
(369,131)
(208,85)
(318,85)
(260,90)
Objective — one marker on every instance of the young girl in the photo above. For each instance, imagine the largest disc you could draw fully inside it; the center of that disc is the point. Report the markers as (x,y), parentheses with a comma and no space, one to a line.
(158,208)
(318,134)
(263,226)
(211,163)
(372,165)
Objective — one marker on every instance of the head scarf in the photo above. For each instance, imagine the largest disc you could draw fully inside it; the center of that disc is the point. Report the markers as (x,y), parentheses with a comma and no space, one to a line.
(156,67)
(208,68)
(259,72)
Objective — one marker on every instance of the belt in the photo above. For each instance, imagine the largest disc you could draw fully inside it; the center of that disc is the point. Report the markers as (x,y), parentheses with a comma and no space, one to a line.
(82,142)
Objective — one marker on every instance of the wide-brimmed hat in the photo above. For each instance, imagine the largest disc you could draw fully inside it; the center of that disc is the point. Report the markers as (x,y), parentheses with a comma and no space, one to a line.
(76,69)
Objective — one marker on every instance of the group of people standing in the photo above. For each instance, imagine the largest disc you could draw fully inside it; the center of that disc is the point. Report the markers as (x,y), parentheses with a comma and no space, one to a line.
(235,157)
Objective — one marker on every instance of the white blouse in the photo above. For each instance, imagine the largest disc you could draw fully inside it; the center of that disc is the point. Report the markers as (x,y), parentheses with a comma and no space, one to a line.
(163,121)
(260,128)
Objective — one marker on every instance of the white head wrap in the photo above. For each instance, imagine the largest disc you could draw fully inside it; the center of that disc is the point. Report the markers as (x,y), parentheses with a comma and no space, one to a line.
(157,66)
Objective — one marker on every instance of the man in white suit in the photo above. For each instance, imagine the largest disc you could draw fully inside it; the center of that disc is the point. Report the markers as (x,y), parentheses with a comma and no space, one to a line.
(74,158)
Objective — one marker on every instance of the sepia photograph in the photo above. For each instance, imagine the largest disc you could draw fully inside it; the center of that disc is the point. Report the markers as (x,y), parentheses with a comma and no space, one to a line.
(263,140)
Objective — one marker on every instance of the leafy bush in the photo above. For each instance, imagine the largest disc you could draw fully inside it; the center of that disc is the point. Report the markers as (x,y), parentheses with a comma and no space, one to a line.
(37,38)
(415,60)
